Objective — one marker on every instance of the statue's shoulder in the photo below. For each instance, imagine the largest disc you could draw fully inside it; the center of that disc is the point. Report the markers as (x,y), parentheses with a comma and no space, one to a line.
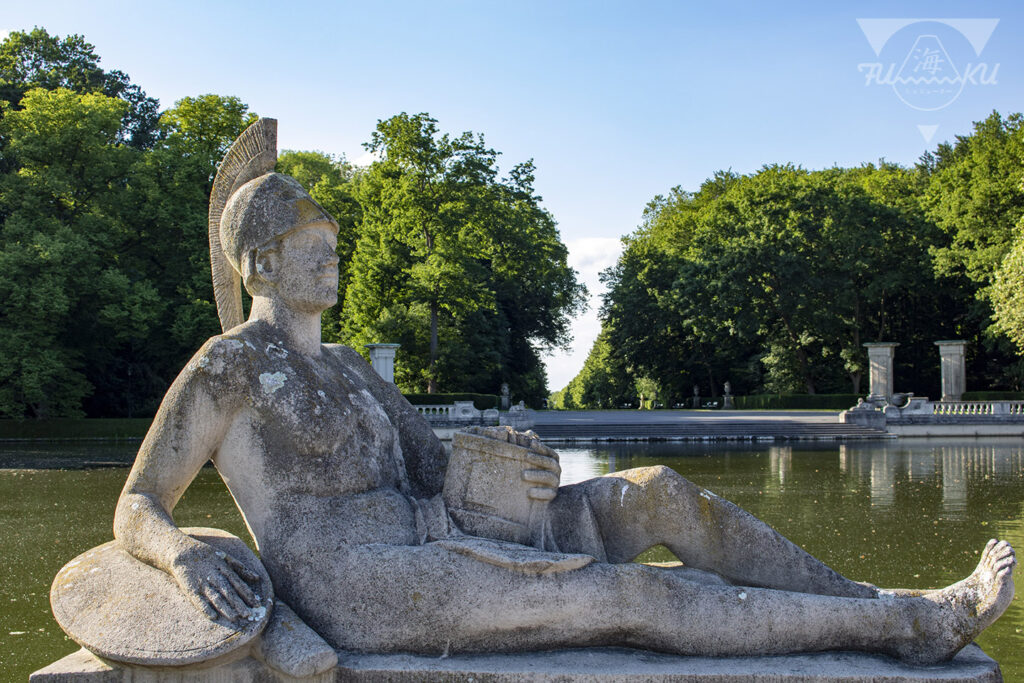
(347,355)
(229,356)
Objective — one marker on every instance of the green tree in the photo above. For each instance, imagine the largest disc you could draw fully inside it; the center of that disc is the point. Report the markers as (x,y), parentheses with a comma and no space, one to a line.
(63,290)
(461,267)
(974,194)
(774,280)
(1008,293)
(35,59)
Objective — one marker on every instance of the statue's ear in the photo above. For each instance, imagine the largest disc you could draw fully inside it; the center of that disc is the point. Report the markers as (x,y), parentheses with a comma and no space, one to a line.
(259,266)
(265,263)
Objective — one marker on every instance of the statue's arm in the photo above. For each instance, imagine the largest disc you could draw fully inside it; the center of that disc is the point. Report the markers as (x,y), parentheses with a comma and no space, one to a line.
(188,428)
(425,457)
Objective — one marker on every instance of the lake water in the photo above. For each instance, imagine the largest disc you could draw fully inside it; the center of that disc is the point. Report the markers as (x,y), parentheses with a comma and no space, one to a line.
(897,513)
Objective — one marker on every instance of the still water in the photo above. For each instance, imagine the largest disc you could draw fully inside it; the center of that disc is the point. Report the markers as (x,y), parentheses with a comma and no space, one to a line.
(897,513)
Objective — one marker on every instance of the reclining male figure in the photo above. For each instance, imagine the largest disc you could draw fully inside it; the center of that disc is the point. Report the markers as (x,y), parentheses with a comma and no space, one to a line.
(338,479)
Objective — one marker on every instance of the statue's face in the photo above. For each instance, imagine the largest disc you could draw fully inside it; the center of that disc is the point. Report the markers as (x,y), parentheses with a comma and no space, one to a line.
(304,269)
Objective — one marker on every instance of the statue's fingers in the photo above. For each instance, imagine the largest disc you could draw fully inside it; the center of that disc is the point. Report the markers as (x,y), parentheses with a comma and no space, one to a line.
(203,606)
(224,587)
(543,462)
(541,493)
(220,603)
(542,477)
(243,571)
(241,587)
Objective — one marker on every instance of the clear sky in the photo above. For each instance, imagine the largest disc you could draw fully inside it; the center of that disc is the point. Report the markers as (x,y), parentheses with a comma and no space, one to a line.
(615,102)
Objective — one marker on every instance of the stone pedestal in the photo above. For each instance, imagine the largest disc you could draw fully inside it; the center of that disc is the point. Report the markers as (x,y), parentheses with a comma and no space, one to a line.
(382,358)
(598,665)
(880,355)
(954,373)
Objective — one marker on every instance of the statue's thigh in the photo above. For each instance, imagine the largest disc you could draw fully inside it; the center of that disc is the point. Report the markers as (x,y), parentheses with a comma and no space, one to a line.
(428,599)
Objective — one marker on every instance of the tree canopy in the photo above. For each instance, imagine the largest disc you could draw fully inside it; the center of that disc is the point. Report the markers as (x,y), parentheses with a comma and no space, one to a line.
(462,267)
(775,279)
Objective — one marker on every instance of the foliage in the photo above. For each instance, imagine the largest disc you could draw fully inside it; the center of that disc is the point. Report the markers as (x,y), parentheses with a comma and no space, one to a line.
(602,383)
(461,267)
(1008,294)
(974,194)
(993,396)
(35,59)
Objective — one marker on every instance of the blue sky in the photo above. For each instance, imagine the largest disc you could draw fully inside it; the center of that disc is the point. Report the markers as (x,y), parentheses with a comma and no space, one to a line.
(615,102)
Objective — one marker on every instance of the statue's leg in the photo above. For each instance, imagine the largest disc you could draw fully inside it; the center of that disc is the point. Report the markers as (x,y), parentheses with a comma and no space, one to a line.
(637,509)
(431,599)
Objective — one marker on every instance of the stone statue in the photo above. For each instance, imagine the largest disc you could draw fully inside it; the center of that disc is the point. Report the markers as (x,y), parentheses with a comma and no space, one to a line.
(727,402)
(372,548)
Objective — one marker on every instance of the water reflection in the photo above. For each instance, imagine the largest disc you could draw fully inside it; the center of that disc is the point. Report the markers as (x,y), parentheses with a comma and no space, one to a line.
(780,462)
(950,466)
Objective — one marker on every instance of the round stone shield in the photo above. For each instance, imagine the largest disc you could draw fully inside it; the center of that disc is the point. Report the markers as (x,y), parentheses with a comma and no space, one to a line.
(124,610)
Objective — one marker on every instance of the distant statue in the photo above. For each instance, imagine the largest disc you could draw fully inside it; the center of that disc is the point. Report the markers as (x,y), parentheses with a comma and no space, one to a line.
(696,396)
(343,486)
(727,403)
(506,397)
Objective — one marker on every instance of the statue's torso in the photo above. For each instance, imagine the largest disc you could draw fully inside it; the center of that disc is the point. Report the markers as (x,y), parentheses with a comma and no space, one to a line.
(311,456)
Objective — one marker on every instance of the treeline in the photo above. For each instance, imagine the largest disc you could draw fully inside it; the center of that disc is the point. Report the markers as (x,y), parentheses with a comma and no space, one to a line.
(105,287)
(774,280)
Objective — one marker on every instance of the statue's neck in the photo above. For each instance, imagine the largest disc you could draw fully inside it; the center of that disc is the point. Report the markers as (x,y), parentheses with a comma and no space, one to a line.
(300,329)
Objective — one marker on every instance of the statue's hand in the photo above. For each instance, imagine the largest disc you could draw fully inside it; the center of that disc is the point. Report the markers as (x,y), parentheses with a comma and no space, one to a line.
(215,582)
(543,471)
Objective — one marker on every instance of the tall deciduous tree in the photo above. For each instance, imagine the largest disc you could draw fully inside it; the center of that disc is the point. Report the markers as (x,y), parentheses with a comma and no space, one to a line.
(464,268)
(62,287)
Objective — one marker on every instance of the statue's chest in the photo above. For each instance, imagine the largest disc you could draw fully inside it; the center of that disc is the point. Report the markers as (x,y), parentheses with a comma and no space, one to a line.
(321,427)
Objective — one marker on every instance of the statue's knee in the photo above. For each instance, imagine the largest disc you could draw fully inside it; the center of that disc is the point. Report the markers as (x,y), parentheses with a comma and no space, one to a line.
(654,477)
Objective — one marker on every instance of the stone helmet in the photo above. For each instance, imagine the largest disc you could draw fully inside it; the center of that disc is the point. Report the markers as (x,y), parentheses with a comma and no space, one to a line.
(262,210)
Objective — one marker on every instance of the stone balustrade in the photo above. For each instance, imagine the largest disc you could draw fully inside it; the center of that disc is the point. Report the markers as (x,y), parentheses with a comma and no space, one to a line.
(921,417)
(429,411)
(994,408)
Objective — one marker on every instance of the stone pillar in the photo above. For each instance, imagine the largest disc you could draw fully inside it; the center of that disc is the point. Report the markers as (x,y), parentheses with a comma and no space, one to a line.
(880,359)
(954,373)
(382,358)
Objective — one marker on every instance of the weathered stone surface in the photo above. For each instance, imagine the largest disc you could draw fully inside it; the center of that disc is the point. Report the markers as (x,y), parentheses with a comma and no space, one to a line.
(291,647)
(382,358)
(880,357)
(487,490)
(605,665)
(953,368)
(127,611)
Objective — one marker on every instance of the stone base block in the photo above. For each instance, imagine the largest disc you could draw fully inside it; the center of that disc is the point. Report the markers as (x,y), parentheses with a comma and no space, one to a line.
(564,666)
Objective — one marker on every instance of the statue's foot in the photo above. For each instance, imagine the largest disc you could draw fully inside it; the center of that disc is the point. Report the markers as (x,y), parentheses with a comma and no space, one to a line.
(958,613)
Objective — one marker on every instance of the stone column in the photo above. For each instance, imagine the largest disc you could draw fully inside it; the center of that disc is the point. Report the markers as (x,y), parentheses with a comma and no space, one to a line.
(880,359)
(954,374)
(382,358)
